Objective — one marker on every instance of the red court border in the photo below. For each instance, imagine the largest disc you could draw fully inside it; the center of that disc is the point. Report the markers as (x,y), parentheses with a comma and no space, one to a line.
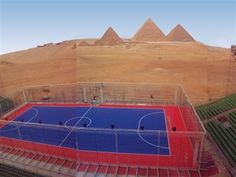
(181,150)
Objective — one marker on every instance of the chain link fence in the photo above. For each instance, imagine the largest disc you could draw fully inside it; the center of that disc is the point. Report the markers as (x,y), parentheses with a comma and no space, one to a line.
(108,93)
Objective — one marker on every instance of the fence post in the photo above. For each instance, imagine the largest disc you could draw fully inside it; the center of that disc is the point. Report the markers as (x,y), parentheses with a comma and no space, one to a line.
(1,110)
(84,94)
(117,150)
(201,148)
(24,96)
(101,101)
(77,147)
(29,99)
(158,148)
(18,131)
(176,96)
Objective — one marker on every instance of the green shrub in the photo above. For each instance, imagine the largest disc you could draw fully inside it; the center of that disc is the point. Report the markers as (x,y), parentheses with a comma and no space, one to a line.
(6,104)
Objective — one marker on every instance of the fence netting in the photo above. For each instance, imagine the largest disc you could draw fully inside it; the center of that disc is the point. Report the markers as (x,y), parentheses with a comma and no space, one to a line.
(188,145)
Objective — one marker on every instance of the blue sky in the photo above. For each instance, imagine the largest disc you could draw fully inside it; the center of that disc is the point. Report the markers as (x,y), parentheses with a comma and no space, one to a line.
(28,23)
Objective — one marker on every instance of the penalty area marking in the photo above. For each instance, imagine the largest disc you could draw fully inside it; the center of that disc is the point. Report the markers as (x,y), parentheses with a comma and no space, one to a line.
(35,115)
(142,138)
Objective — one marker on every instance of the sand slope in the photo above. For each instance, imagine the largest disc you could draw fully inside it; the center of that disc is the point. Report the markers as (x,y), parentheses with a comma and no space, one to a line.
(202,70)
(37,66)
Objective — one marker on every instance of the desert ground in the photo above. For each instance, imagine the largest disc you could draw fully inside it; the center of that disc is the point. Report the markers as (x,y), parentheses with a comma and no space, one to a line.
(202,70)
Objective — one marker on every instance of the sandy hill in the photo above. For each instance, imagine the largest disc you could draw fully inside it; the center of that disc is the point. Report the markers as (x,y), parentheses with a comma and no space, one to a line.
(200,69)
(52,64)
(110,37)
(40,54)
(149,32)
(179,34)
(83,43)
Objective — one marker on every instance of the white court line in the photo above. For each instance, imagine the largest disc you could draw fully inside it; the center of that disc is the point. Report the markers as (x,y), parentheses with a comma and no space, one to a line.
(37,112)
(74,126)
(77,117)
(167,121)
(35,115)
(142,138)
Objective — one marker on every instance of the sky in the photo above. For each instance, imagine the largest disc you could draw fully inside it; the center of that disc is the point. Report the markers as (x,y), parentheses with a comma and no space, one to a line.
(28,23)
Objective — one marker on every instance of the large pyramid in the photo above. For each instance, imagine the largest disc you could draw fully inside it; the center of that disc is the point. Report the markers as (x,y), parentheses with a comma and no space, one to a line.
(110,37)
(179,34)
(149,32)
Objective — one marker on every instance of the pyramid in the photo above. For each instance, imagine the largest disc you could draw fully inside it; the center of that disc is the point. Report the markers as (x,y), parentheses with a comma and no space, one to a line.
(83,43)
(110,37)
(149,32)
(179,34)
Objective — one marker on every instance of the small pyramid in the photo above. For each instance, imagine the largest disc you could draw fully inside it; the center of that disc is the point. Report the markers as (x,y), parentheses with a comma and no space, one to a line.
(83,43)
(149,32)
(110,37)
(179,34)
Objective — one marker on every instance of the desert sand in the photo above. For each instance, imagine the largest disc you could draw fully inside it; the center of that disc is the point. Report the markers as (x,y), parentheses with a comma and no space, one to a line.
(200,69)
(204,72)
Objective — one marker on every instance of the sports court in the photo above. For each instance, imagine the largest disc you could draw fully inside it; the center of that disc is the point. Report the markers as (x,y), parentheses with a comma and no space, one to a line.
(100,132)
(128,125)
(136,121)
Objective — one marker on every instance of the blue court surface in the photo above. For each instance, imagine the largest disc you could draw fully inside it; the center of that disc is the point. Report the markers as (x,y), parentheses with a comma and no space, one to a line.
(93,128)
